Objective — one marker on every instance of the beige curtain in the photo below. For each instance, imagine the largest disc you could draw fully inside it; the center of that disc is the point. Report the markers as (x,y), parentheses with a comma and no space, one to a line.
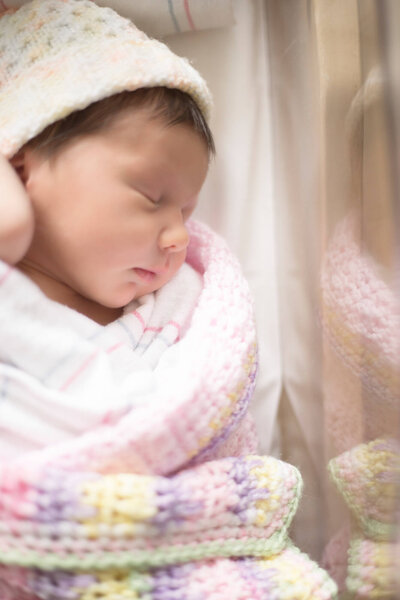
(334,78)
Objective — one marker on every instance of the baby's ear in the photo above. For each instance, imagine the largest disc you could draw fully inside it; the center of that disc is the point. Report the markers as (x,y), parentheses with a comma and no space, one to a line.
(25,163)
(18,161)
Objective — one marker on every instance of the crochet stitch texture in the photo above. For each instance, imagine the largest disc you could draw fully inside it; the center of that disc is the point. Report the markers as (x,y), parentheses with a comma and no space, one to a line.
(155,491)
(368,478)
(361,320)
(150,506)
(59,56)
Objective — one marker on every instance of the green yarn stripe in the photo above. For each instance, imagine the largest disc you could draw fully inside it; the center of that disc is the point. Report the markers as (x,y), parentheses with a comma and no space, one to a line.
(143,559)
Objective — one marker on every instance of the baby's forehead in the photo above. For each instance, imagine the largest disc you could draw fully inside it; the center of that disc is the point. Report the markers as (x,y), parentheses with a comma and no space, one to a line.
(142,129)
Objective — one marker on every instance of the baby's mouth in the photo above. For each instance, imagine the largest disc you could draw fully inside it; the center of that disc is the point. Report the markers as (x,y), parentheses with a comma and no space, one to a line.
(145,274)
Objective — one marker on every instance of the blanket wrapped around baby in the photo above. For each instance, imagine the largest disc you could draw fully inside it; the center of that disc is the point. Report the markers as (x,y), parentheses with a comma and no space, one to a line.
(128,465)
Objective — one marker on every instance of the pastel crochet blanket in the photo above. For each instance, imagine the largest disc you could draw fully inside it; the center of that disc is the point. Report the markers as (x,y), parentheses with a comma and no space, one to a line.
(128,466)
(360,315)
(361,323)
(368,478)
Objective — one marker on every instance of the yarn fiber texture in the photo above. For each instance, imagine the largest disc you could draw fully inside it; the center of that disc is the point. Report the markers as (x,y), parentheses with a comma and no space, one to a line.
(361,323)
(368,478)
(289,575)
(60,56)
(147,504)
(372,569)
(360,316)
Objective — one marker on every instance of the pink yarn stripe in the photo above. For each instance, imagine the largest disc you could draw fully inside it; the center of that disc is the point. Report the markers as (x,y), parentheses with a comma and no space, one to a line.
(83,366)
(6,274)
(189,16)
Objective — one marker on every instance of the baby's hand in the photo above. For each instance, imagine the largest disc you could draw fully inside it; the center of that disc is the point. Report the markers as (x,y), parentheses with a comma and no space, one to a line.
(16,215)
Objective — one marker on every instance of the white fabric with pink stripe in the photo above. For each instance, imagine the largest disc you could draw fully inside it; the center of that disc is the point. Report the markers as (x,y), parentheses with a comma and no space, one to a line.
(163,17)
(62,373)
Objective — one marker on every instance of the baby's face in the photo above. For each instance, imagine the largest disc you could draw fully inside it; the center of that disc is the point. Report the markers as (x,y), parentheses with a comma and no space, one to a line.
(111,210)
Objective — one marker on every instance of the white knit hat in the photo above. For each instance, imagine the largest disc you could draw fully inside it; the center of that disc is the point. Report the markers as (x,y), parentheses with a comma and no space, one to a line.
(59,56)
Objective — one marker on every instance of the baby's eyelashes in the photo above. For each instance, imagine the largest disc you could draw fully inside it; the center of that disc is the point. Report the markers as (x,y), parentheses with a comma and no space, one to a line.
(155,201)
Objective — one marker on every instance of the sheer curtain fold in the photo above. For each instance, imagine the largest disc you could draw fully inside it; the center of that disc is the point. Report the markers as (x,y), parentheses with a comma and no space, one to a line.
(354,204)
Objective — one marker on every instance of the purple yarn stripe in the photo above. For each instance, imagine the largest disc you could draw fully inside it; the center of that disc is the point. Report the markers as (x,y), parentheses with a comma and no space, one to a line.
(236,417)
(246,487)
(172,583)
(174,502)
(262,582)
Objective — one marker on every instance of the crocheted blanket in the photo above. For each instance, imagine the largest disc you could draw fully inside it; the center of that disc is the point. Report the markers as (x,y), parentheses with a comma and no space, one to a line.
(368,479)
(361,321)
(127,465)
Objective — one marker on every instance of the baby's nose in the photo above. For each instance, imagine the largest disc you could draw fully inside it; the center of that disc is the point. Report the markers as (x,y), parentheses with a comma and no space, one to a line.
(174,238)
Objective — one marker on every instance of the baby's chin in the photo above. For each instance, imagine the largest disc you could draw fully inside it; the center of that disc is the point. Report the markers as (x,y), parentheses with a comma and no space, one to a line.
(125,297)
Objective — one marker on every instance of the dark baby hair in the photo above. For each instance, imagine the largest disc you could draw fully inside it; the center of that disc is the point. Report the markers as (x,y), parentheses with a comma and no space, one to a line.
(172,106)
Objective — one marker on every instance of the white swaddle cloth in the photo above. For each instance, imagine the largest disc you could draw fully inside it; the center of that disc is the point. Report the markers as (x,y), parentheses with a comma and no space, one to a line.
(69,357)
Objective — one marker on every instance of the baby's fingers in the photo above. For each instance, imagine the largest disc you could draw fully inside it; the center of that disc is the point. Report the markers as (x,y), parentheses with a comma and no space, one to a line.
(16,215)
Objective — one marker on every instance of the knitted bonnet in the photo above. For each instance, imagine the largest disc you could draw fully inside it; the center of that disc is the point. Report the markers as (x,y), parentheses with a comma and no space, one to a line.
(59,56)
